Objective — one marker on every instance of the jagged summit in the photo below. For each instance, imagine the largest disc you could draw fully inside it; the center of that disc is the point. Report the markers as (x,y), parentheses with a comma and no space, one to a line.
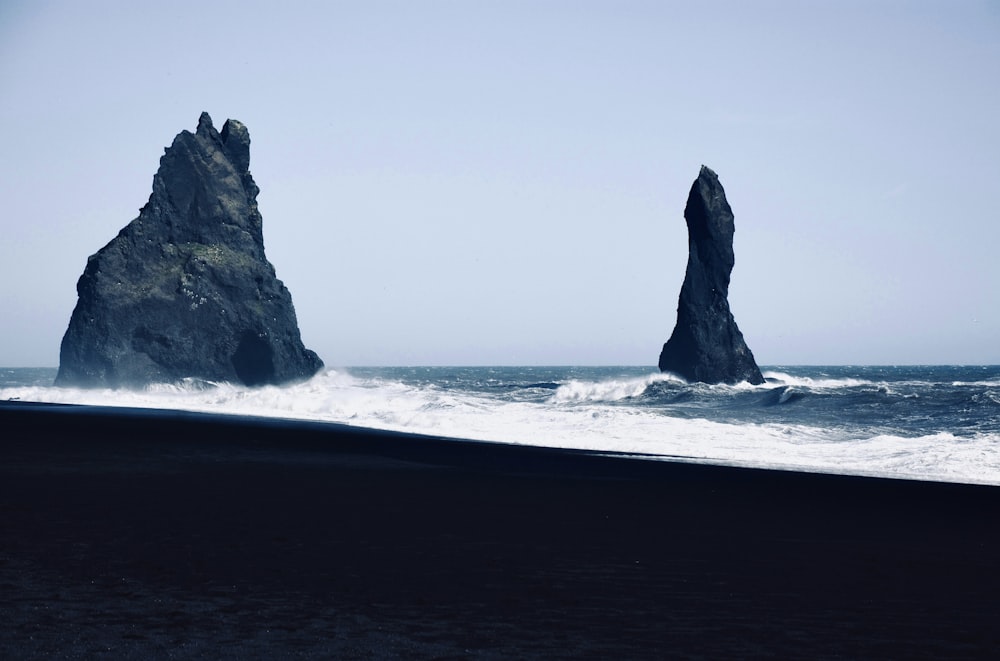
(706,344)
(185,289)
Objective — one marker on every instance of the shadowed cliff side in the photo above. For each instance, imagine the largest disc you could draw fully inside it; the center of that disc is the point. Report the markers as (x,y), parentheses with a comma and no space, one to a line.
(185,289)
(706,344)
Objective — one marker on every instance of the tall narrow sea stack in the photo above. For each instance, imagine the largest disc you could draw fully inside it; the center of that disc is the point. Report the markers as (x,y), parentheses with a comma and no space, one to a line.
(185,290)
(706,344)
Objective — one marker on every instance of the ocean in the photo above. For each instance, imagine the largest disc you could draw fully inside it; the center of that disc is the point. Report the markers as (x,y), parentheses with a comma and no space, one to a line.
(939,423)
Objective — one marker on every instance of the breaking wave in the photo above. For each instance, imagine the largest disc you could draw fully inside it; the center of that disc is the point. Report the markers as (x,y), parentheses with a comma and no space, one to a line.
(904,427)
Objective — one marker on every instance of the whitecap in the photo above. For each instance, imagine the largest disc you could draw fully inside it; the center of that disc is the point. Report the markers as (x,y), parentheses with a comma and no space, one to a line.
(608,391)
(579,414)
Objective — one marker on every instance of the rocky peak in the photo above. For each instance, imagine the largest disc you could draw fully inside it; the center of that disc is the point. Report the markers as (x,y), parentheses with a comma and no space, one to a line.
(185,289)
(706,344)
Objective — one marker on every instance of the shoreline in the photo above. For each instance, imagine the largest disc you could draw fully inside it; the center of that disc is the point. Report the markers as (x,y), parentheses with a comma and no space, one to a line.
(143,531)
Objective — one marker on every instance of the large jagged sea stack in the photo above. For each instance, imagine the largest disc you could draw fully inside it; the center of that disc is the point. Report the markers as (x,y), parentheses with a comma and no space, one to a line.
(185,290)
(706,344)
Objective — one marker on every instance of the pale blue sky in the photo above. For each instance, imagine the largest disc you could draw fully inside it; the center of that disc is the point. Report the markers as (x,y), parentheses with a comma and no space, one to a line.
(504,182)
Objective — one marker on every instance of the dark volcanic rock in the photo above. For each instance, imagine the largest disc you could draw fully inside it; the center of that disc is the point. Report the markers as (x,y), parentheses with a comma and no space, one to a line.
(706,344)
(185,290)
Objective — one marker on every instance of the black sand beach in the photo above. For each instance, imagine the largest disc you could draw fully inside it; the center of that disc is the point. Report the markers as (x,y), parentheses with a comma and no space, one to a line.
(153,534)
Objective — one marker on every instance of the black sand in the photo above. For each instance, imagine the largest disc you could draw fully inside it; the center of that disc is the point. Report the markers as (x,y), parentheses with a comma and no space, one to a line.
(144,534)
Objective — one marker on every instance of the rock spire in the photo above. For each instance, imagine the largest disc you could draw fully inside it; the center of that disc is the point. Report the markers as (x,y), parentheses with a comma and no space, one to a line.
(706,344)
(185,289)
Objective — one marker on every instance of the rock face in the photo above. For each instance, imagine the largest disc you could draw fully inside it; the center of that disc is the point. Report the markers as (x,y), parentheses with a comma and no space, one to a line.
(706,344)
(185,290)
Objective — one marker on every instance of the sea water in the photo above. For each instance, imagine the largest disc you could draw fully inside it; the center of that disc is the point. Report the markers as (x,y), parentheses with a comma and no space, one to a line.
(931,423)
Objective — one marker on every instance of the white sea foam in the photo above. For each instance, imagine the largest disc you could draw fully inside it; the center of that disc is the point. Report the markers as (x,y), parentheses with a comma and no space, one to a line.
(608,391)
(579,414)
(780,378)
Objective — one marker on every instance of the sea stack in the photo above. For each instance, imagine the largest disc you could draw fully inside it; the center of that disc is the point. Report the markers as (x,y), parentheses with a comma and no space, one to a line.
(185,290)
(706,344)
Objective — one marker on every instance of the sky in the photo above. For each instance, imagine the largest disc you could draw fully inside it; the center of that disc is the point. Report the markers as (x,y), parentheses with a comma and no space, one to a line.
(503,183)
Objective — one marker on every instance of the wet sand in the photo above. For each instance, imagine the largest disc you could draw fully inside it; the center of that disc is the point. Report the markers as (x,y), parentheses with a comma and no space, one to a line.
(153,534)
